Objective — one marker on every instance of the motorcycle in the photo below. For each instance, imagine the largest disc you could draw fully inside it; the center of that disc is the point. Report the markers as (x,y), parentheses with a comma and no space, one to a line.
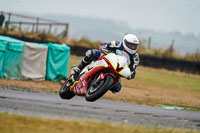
(98,77)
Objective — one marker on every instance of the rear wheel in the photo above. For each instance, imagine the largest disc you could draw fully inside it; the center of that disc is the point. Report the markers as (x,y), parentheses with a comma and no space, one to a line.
(98,88)
(65,92)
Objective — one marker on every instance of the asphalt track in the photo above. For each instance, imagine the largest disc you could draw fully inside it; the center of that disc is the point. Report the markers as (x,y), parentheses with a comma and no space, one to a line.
(20,101)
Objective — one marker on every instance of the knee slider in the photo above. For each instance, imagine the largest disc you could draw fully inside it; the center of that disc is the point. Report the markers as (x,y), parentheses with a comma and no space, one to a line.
(92,54)
(89,53)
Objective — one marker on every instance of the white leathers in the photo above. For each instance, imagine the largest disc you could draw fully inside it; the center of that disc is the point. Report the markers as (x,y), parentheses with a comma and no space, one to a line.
(129,44)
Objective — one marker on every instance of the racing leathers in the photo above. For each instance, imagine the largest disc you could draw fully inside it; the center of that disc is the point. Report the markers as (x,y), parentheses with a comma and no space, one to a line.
(94,54)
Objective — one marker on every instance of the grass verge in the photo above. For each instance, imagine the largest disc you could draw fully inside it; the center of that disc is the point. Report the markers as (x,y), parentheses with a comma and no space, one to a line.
(26,124)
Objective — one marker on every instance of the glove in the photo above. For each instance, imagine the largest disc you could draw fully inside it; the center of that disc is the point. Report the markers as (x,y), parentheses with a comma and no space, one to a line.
(103,50)
(131,76)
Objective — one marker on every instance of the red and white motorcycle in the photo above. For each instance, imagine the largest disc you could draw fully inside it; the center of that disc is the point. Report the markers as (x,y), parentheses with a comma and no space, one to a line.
(98,77)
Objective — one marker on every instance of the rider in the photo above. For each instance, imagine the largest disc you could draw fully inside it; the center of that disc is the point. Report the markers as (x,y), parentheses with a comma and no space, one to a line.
(129,45)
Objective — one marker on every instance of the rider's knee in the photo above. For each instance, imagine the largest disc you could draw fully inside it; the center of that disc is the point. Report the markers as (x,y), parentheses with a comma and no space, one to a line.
(93,54)
(116,88)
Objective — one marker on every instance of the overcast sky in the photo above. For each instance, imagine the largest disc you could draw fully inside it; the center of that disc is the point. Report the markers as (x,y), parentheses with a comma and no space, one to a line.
(159,15)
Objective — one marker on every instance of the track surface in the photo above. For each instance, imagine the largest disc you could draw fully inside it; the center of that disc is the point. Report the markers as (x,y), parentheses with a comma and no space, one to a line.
(19,101)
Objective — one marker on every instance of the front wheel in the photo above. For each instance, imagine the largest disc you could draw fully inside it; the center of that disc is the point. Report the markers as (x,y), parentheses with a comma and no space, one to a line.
(97,90)
(65,92)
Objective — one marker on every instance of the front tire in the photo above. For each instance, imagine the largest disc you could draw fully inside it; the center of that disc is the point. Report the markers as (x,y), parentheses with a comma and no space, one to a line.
(93,96)
(65,92)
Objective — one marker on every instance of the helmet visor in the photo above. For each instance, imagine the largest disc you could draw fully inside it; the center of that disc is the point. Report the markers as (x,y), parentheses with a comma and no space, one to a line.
(132,46)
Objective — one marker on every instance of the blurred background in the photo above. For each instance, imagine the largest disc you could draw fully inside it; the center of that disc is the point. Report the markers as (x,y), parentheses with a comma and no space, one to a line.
(157,23)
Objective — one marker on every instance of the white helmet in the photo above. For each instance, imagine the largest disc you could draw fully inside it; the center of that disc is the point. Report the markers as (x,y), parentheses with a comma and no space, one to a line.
(130,43)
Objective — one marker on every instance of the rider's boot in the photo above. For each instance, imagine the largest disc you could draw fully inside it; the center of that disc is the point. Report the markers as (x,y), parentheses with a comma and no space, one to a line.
(115,89)
(75,70)
(74,73)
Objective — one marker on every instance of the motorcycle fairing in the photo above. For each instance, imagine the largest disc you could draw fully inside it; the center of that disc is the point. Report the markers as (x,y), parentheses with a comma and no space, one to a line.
(114,59)
(125,72)
(80,86)
(110,60)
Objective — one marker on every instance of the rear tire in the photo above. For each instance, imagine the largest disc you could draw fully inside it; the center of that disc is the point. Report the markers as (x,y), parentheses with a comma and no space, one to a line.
(108,82)
(65,92)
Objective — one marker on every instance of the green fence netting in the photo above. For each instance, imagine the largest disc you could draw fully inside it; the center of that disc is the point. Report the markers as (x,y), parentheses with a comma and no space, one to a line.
(57,61)
(3,45)
(11,57)
(13,60)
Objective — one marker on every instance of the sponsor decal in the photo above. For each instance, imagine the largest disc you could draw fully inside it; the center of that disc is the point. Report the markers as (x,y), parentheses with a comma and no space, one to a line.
(74,90)
(82,91)
(83,82)
(78,91)
(90,68)
(79,85)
